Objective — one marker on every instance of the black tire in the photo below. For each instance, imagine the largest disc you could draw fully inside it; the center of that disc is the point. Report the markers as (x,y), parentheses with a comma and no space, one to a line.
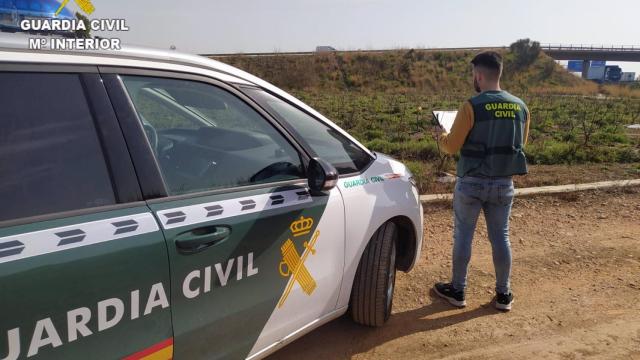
(373,286)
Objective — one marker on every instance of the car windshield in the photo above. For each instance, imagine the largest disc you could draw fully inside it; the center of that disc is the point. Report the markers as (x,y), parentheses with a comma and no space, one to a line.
(325,141)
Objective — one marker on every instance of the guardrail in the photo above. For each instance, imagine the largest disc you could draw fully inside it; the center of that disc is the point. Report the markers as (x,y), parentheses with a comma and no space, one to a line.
(304,53)
(582,47)
(546,47)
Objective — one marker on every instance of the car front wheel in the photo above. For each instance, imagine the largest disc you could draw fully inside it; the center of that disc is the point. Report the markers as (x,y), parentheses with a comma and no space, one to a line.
(373,286)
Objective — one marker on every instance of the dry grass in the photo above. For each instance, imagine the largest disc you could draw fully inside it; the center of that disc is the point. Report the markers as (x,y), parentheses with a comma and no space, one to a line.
(585,88)
(404,71)
(621,91)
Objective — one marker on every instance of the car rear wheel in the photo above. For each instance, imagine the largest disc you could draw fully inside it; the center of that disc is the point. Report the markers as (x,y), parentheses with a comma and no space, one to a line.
(373,286)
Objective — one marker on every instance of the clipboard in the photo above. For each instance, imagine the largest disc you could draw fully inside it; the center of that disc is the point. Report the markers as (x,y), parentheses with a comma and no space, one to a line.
(444,119)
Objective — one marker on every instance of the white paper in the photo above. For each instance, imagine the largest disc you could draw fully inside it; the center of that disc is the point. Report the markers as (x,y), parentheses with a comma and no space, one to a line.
(445,119)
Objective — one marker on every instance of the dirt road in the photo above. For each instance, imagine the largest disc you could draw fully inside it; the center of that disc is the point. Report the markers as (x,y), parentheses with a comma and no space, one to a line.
(576,280)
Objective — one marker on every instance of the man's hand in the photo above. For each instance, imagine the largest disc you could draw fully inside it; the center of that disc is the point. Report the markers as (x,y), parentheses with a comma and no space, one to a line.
(461,127)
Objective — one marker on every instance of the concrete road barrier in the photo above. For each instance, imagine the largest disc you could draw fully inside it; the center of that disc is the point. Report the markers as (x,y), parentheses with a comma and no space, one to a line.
(425,199)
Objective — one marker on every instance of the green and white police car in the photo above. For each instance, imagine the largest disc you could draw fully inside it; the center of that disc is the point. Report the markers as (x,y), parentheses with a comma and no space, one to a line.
(157,205)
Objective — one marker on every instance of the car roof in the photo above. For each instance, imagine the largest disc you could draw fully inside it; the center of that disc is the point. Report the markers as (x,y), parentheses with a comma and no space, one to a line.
(14,48)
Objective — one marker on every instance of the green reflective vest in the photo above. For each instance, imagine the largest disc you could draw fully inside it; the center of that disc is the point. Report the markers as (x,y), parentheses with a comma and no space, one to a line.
(494,146)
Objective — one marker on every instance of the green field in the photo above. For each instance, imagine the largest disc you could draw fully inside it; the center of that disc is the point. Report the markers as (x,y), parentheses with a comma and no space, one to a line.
(385,100)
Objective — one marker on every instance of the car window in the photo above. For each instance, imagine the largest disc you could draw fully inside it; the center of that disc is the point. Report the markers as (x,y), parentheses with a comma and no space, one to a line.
(325,141)
(206,138)
(51,159)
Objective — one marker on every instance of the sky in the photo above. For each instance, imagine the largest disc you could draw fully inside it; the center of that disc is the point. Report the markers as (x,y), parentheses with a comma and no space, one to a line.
(215,26)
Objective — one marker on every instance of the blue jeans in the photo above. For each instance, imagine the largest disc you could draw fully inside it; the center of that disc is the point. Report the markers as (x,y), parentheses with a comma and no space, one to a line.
(495,197)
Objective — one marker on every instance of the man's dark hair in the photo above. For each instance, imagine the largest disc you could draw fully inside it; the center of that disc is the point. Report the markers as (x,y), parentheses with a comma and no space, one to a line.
(489,60)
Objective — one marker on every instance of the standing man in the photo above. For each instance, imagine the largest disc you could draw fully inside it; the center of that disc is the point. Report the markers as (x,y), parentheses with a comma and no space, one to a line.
(490,132)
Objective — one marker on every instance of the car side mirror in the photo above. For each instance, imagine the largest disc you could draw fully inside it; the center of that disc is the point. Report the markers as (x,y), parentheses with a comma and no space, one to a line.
(321,175)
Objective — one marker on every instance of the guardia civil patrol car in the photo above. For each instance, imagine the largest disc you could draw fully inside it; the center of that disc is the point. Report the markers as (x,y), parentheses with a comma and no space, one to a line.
(157,205)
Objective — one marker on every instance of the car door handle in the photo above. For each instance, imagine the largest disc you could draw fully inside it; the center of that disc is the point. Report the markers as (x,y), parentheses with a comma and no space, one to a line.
(196,240)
